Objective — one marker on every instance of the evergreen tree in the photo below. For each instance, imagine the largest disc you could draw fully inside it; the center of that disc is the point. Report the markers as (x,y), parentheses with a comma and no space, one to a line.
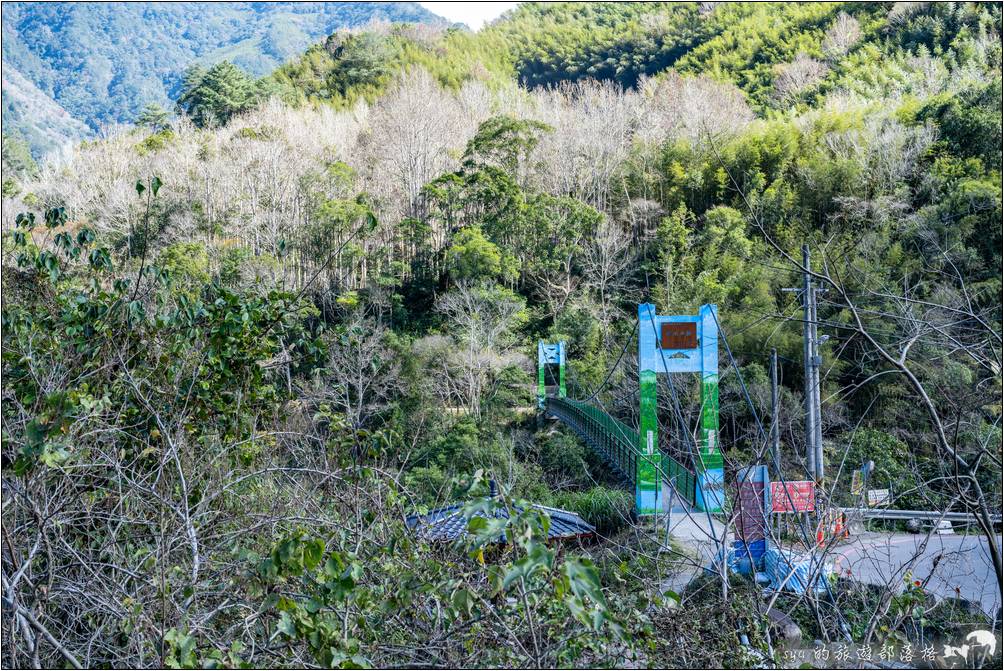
(18,164)
(17,158)
(360,59)
(154,117)
(211,97)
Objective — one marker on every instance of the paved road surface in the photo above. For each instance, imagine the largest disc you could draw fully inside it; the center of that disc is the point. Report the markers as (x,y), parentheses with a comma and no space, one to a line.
(963,564)
(964,568)
(697,532)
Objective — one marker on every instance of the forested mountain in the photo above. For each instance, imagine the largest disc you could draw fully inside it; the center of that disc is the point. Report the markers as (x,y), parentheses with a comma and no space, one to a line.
(243,346)
(35,117)
(103,61)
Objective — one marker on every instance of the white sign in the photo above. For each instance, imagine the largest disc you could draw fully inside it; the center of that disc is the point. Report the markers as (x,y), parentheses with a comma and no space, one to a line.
(878,497)
(945,528)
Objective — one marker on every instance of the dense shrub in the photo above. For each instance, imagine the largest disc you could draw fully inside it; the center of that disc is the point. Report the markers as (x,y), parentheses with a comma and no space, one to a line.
(609,510)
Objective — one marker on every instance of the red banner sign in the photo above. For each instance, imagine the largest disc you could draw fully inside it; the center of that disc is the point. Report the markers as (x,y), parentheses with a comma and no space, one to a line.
(799,498)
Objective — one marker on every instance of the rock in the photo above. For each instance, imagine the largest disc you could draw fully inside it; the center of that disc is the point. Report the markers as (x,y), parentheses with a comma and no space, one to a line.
(788,628)
(945,528)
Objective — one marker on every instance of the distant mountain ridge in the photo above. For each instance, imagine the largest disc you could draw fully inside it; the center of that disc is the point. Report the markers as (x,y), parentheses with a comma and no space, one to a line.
(100,63)
(50,123)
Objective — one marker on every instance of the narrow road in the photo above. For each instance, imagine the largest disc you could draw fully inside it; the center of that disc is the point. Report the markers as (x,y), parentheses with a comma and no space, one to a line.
(960,564)
(696,531)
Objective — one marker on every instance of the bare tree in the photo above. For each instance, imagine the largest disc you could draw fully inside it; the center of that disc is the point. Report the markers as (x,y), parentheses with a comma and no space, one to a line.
(607,258)
(416,131)
(482,319)
(591,138)
(843,34)
(797,77)
(363,372)
(679,107)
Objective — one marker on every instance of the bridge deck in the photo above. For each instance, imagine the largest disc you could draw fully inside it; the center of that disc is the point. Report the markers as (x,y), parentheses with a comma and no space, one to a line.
(618,444)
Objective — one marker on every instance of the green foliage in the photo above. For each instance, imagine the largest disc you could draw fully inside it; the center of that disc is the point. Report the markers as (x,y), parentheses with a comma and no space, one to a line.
(375,580)
(211,97)
(563,458)
(18,163)
(451,56)
(95,307)
(155,142)
(473,257)
(239,266)
(533,234)
(622,42)
(503,142)
(736,54)
(970,121)
(102,63)
(259,359)
(607,509)
(359,59)
(153,117)
(457,449)
(188,266)
(895,469)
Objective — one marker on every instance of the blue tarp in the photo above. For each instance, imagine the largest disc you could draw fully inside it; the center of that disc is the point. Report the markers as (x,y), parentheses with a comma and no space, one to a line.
(778,564)
(737,563)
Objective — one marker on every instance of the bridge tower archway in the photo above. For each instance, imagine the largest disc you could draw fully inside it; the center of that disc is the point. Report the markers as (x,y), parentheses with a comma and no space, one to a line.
(669,345)
(549,354)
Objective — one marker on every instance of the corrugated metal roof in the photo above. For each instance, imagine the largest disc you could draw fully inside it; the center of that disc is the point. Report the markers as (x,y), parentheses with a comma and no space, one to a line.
(450,523)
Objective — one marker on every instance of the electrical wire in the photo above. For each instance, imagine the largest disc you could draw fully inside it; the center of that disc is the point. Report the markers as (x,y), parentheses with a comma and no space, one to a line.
(805,534)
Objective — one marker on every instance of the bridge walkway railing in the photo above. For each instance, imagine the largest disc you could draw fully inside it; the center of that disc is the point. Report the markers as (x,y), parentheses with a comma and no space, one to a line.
(617,443)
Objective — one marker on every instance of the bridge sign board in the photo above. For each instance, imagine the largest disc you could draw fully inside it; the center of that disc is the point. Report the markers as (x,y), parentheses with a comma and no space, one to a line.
(797,496)
(678,335)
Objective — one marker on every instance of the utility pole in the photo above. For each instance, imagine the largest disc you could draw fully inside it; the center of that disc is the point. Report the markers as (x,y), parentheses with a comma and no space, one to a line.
(775,429)
(807,352)
(816,362)
(811,359)
(812,362)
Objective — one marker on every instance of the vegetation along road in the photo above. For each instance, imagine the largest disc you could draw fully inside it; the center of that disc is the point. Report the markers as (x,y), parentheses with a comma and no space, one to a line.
(285,284)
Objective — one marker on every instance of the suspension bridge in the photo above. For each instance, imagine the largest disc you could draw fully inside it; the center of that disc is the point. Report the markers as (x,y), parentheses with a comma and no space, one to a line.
(691,472)
(667,345)
(689,467)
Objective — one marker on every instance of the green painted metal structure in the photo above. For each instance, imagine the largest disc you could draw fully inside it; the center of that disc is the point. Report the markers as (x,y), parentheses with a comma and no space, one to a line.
(550,353)
(667,344)
(618,444)
(660,353)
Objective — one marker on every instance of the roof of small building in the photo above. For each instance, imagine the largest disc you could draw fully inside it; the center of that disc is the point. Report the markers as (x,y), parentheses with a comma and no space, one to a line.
(450,522)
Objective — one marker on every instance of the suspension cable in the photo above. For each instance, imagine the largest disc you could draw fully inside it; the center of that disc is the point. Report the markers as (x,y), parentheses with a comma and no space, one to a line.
(610,372)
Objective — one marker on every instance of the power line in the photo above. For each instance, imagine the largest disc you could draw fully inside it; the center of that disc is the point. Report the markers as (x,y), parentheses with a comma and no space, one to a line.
(802,527)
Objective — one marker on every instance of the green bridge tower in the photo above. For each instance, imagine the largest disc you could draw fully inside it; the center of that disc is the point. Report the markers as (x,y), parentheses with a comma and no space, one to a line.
(671,344)
(550,353)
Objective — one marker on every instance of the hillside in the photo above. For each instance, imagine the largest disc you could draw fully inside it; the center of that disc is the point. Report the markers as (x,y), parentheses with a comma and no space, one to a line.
(779,54)
(246,348)
(50,125)
(102,62)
